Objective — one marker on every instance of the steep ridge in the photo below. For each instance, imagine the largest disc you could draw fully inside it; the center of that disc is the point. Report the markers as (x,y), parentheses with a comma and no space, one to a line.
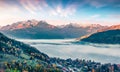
(8,44)
(18,57)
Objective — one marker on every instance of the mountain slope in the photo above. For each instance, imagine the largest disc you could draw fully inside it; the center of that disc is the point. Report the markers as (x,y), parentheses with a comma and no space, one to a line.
(18,57)
(109,37)
(8,44)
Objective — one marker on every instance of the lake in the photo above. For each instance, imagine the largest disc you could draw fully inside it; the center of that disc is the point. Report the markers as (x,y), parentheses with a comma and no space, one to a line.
(64,48)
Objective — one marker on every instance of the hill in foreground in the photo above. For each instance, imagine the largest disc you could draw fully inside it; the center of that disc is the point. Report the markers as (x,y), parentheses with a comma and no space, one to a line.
(18,57)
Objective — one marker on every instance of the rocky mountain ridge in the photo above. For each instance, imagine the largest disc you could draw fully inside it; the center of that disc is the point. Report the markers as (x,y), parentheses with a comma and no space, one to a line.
(42,30)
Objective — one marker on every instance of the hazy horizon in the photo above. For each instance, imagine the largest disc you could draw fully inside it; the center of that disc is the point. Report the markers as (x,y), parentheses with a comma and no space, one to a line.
(60,12)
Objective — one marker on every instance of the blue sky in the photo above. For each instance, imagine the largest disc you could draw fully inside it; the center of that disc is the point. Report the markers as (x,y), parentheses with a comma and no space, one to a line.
(58,12)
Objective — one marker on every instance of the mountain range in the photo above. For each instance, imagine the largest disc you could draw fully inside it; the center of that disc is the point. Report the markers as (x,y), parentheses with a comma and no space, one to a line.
(34,29)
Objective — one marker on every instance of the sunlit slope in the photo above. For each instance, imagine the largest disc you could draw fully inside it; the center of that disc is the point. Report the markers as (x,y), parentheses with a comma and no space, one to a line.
(109,37)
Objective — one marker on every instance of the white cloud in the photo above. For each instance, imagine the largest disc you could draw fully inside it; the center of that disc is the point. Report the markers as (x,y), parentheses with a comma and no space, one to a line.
(63,12)
(34,5)
(95,16)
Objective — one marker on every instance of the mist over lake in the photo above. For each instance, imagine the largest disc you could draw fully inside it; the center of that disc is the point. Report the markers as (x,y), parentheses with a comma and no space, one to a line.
(64,48)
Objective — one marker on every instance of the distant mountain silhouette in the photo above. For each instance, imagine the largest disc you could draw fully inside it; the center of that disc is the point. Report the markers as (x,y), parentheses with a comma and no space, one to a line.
(42,30)
(74,31)
(108,37)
